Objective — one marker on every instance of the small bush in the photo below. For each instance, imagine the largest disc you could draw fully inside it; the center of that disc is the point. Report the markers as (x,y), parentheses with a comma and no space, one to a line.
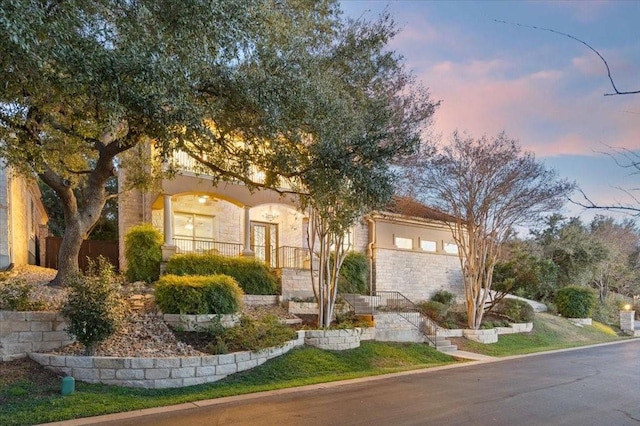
(349,319)
(609,311)
(143,251)
(94,308)
(444,297)
(16,296)
(575,301)
(354,274)
(437,311)
(198,295)
(253,334)
(515,310)
(252,275)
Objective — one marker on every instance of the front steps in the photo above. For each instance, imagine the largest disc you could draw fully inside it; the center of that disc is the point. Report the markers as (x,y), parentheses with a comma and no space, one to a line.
(362,306)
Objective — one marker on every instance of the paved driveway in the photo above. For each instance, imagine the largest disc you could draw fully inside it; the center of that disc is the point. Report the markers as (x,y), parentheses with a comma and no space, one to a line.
(590,386)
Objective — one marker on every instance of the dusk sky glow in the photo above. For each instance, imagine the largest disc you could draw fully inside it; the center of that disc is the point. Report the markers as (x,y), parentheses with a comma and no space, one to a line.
(544,89)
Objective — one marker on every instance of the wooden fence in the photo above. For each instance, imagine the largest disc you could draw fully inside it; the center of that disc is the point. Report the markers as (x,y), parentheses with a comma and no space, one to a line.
(90,249)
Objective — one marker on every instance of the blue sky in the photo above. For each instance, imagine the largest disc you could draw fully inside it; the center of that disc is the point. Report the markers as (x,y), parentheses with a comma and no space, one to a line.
(542,88)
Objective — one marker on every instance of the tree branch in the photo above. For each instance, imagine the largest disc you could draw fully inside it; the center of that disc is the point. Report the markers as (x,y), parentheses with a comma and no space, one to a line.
(604,61)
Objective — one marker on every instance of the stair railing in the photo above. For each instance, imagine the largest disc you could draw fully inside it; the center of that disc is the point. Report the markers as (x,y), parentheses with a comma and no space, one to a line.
(393,302)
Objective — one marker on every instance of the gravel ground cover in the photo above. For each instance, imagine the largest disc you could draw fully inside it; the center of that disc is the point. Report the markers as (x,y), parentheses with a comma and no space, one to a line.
(144,334)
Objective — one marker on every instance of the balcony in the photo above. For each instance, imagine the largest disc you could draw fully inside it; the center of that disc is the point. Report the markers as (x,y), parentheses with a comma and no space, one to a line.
(182,162)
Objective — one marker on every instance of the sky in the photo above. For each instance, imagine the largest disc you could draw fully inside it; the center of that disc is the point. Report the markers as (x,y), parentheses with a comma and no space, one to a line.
(542,88)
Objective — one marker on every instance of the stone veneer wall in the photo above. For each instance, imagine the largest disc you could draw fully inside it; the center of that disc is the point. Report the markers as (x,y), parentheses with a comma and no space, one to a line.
(334,339)
(24,332)
(417,275)
(295,283)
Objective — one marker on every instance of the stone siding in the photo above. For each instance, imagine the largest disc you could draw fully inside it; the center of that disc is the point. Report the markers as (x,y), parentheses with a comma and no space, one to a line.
(160,373)
(417,275)
(24,332)
(296,283)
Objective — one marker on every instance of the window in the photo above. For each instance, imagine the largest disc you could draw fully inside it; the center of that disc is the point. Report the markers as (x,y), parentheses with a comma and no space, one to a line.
(451,248)
(194,232)
(428,245)
(403,243)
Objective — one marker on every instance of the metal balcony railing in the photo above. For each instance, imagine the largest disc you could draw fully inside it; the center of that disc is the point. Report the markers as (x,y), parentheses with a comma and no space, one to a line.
(293,258)
(280,257)
(201,246)
(183,162)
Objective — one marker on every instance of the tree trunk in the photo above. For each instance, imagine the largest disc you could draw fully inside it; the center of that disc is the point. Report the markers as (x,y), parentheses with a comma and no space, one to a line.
(68,264)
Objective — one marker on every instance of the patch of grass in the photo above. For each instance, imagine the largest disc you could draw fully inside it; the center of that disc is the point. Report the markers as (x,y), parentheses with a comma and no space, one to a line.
(301,366)
(549,332)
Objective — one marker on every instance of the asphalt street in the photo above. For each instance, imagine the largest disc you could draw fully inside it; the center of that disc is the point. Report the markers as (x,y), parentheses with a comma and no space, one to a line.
(588,386)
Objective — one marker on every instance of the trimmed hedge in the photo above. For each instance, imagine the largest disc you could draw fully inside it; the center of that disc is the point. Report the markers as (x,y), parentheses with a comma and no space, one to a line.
(444,297)
(575,301)
(252,275)
(198,295)
(143,251)
(516,310)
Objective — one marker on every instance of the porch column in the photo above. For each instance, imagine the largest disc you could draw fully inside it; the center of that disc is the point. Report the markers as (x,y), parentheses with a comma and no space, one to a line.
(168,248)
(167,223)
(247,233)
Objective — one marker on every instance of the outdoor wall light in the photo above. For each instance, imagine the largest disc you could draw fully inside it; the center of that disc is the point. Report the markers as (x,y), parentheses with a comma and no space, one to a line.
(203,199)
(627,307)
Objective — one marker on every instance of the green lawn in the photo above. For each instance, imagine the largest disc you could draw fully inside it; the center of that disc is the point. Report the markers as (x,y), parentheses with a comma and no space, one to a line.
(22,405)
(28,401)
(549,332)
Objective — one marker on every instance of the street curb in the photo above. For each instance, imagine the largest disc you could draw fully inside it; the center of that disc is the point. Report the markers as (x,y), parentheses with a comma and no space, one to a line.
(318,386)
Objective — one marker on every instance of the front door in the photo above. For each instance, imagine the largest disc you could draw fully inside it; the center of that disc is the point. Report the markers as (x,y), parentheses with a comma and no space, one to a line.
(264,242)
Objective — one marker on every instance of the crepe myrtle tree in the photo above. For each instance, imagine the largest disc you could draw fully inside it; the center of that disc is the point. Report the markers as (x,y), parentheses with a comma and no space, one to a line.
(233,83)
(488,186)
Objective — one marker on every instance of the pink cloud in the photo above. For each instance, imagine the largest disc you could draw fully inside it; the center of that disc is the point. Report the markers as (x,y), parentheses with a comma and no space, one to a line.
(533,107)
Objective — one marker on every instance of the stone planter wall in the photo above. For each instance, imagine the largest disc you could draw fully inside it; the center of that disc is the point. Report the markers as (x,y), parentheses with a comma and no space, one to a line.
(198,322)
(482,336)
(581,321)
(24,332)
(258,300)
(335,340)
(157,373)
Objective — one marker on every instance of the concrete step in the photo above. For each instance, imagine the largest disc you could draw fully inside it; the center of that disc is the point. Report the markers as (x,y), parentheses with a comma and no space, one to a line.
(447,348)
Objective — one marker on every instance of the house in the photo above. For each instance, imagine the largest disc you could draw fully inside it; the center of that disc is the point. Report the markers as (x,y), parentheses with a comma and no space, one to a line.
(410,250)
(23,220)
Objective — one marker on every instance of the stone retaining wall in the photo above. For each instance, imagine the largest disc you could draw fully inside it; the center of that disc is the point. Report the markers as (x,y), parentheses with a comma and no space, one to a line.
(157,373)
(24,332)
(258,300)
(392,327)
(482,336)
(336,340)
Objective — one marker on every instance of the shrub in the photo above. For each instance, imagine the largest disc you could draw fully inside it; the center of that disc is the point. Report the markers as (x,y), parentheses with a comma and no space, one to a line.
(143,251)
(515,310)
(575,301)
(16,296)
(195,295)
(253,275)
(253,334)
(444,297)
(354,274)
(437,311)
(609,311)
(94,308)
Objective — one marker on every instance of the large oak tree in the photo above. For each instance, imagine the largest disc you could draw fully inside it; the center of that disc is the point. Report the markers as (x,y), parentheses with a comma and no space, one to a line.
(233,83)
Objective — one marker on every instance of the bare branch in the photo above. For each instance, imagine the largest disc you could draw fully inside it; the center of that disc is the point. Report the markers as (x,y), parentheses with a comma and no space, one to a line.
(604,61)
